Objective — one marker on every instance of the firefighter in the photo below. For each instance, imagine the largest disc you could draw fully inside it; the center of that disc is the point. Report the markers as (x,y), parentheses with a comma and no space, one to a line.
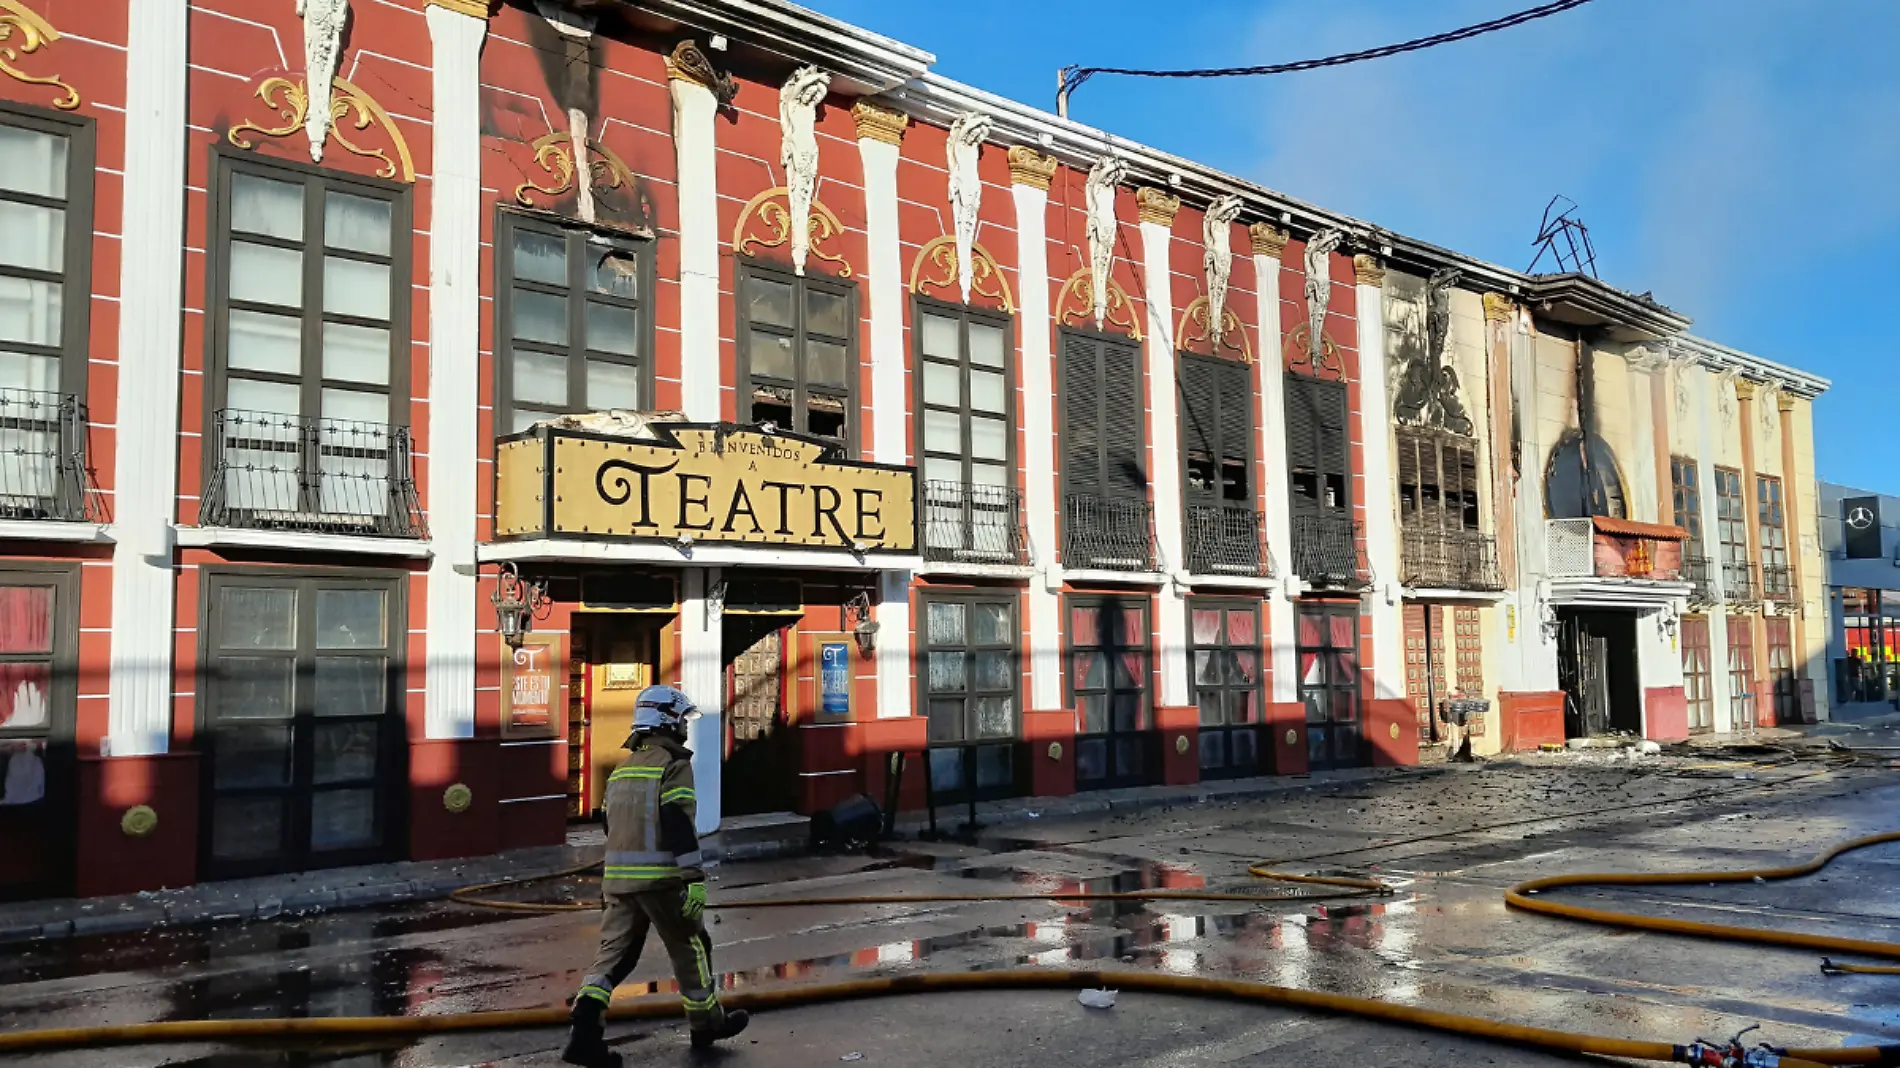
(652,878)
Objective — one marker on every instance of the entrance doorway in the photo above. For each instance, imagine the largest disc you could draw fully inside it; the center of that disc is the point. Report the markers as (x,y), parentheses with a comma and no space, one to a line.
(760,758)
(38,670)
(1109,648)
(1741,673)
(1697,677)
(1781,670)
(623,655)
(1596,668)
(1329,685)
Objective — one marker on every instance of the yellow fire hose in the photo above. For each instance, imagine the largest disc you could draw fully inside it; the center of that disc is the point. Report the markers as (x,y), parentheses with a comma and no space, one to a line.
(664,1007)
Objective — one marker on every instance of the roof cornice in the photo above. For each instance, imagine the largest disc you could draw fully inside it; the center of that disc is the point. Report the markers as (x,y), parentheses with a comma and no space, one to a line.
(1719,357)
(865,61)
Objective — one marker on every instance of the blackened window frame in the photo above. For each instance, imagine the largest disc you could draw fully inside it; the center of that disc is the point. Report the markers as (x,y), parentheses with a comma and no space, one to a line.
(968,744)
(750,269)
(75,275)
(226,162)
(1439,446)
(577,236)
(392,753)
(1222,647)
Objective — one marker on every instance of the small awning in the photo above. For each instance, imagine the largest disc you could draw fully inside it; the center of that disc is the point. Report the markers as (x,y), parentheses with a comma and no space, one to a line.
(1630,528)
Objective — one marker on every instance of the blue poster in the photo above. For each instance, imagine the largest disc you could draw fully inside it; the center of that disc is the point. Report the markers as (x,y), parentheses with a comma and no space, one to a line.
(834,679)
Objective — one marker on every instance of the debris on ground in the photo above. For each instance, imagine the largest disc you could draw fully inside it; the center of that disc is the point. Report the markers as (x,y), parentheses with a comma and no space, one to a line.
(1097,999)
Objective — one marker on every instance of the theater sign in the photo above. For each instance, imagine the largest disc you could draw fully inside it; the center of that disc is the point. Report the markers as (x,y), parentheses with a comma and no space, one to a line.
(703,484)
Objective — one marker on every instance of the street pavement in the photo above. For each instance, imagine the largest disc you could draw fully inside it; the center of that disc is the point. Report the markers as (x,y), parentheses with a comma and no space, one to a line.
(1444,941)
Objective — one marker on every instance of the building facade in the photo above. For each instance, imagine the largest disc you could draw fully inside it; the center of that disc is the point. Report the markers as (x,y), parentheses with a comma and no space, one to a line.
(393,387)
(1860,534)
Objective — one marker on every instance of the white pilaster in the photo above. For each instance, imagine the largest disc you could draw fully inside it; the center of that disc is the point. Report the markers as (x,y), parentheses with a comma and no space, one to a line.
(1164,468)
(694,111)
(1382,534)
(146,450)
(1282,653)
(894,659)
(1702,385)
(702,680)
(886,284)
(1039,441)
(1535,649)
(455,229)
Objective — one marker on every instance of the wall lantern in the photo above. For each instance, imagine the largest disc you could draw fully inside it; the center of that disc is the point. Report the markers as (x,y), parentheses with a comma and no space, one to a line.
(865,630)
(515,600)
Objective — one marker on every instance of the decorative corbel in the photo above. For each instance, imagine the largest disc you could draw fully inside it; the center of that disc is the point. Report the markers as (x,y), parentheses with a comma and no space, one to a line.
(1268,240)
(877,123)
(1098,194)
(798,103)
(1156,206)
(1031,168)
(688,64)
(1217,259)
(323,22)
(1319,292)
(967,134)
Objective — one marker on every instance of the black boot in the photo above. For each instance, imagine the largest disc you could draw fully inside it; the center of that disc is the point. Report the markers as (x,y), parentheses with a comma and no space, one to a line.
(730,1024)
(586,1042)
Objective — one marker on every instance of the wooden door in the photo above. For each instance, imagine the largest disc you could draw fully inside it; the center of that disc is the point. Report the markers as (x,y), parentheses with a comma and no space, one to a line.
(1741,673)
(1328,651)
(1781,676)
(625,655)
(759,755)
(1697,674)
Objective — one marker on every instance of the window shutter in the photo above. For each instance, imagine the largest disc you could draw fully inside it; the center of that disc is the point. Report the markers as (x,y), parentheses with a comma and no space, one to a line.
(1409,498)
(1235,393)
(1081,411)
(1334,457)
(1125,468)
(1467,514)
(1199,385)
(1302,425)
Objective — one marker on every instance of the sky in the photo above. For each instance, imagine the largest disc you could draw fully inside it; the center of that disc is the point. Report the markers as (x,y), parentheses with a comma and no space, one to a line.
(1739,159)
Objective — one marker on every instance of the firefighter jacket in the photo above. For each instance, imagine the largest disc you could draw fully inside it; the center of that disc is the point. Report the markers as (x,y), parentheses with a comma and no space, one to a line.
(650,812)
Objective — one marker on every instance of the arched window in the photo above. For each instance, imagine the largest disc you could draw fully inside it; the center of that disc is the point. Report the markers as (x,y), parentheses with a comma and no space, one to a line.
(1574,489)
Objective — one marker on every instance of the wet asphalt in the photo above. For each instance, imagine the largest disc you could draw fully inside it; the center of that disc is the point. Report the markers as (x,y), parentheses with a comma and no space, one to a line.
(1443,941)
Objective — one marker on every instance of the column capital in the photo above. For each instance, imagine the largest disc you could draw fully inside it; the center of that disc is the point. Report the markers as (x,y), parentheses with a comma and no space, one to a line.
(1784,402)
(1031,168)
(1156,205)
(1268,240)
(1368,270)
(475,9)
(1744,389)
(876,123)
(1498,308)
(688,64)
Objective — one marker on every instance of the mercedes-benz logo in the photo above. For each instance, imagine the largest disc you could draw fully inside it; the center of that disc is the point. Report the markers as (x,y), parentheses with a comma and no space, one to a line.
(1860,517)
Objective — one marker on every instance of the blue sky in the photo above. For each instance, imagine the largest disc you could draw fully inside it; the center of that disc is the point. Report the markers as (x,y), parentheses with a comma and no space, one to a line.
(1738,158)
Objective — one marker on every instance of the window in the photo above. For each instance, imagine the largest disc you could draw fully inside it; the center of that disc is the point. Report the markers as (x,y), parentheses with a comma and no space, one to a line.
(1107,520)
(1217,399)
(1696,674)
(1741,672)
(1580,483)
(1781,674)
(1328,651)
(969,689)
(301,735)
(1224,651)
(1686,490)
(1731,531)
(1776,579)
(576,336)
(1869,671)
(1438,481)
(966,434)
(45,283)
(798,353)
(38,633)
(1319,467)
(1108,686)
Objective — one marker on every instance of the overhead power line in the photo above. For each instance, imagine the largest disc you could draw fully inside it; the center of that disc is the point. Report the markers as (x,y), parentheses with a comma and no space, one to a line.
(1070,79)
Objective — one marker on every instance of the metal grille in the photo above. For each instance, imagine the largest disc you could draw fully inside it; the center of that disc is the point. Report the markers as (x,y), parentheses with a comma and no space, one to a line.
(43,458)
(1777,583)
(288,472)
(1326,551)
(1225,540)
(1109,535)
(973,524)
(1699,573)
(1569,548)
(1738,582)
(1450,560)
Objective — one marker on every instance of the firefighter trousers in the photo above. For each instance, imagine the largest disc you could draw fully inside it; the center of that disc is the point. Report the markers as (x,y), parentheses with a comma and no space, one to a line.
(623,933)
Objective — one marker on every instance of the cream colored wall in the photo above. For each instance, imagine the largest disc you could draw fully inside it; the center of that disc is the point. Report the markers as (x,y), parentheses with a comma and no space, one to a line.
(1405,336)
(1556,404)
(1766,427)
(1803,493)
(1491,648)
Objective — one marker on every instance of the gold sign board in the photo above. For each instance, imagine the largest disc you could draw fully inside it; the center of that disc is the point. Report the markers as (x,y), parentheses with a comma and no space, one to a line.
(740,486)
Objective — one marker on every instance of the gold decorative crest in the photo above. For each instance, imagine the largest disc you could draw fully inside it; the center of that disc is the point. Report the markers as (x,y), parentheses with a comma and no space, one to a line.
(770,212)
(934,273)
(1076,305)
(554,152)
(1195,335)
(1330,364)
(33,31)
(352,107)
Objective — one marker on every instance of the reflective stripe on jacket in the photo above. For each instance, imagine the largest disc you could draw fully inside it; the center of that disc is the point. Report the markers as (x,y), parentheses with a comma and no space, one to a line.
(659,772)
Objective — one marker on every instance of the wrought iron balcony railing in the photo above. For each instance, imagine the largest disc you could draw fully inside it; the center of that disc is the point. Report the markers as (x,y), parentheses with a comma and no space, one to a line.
(1777,582)
(1227,540)
(288,472)
(1450,559)
(1099,533)
(1699,572)
(1738,582)
(1326,551)
(43,458)
(968,524)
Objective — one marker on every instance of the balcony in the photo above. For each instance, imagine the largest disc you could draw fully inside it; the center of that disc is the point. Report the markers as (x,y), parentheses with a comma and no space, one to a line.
(330,476)
(1777,582)
(1450,560)
(1101,534)
(1225,540)
(1699,573)
(1326,551)
(43,472)
(1738,582)
(967,524)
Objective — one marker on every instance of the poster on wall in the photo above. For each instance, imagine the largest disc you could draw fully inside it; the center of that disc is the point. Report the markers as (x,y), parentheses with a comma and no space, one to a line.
(834,679)
(531,686)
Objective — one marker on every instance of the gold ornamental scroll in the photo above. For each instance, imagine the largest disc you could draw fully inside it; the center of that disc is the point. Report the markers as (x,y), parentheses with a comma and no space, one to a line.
(739,486)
